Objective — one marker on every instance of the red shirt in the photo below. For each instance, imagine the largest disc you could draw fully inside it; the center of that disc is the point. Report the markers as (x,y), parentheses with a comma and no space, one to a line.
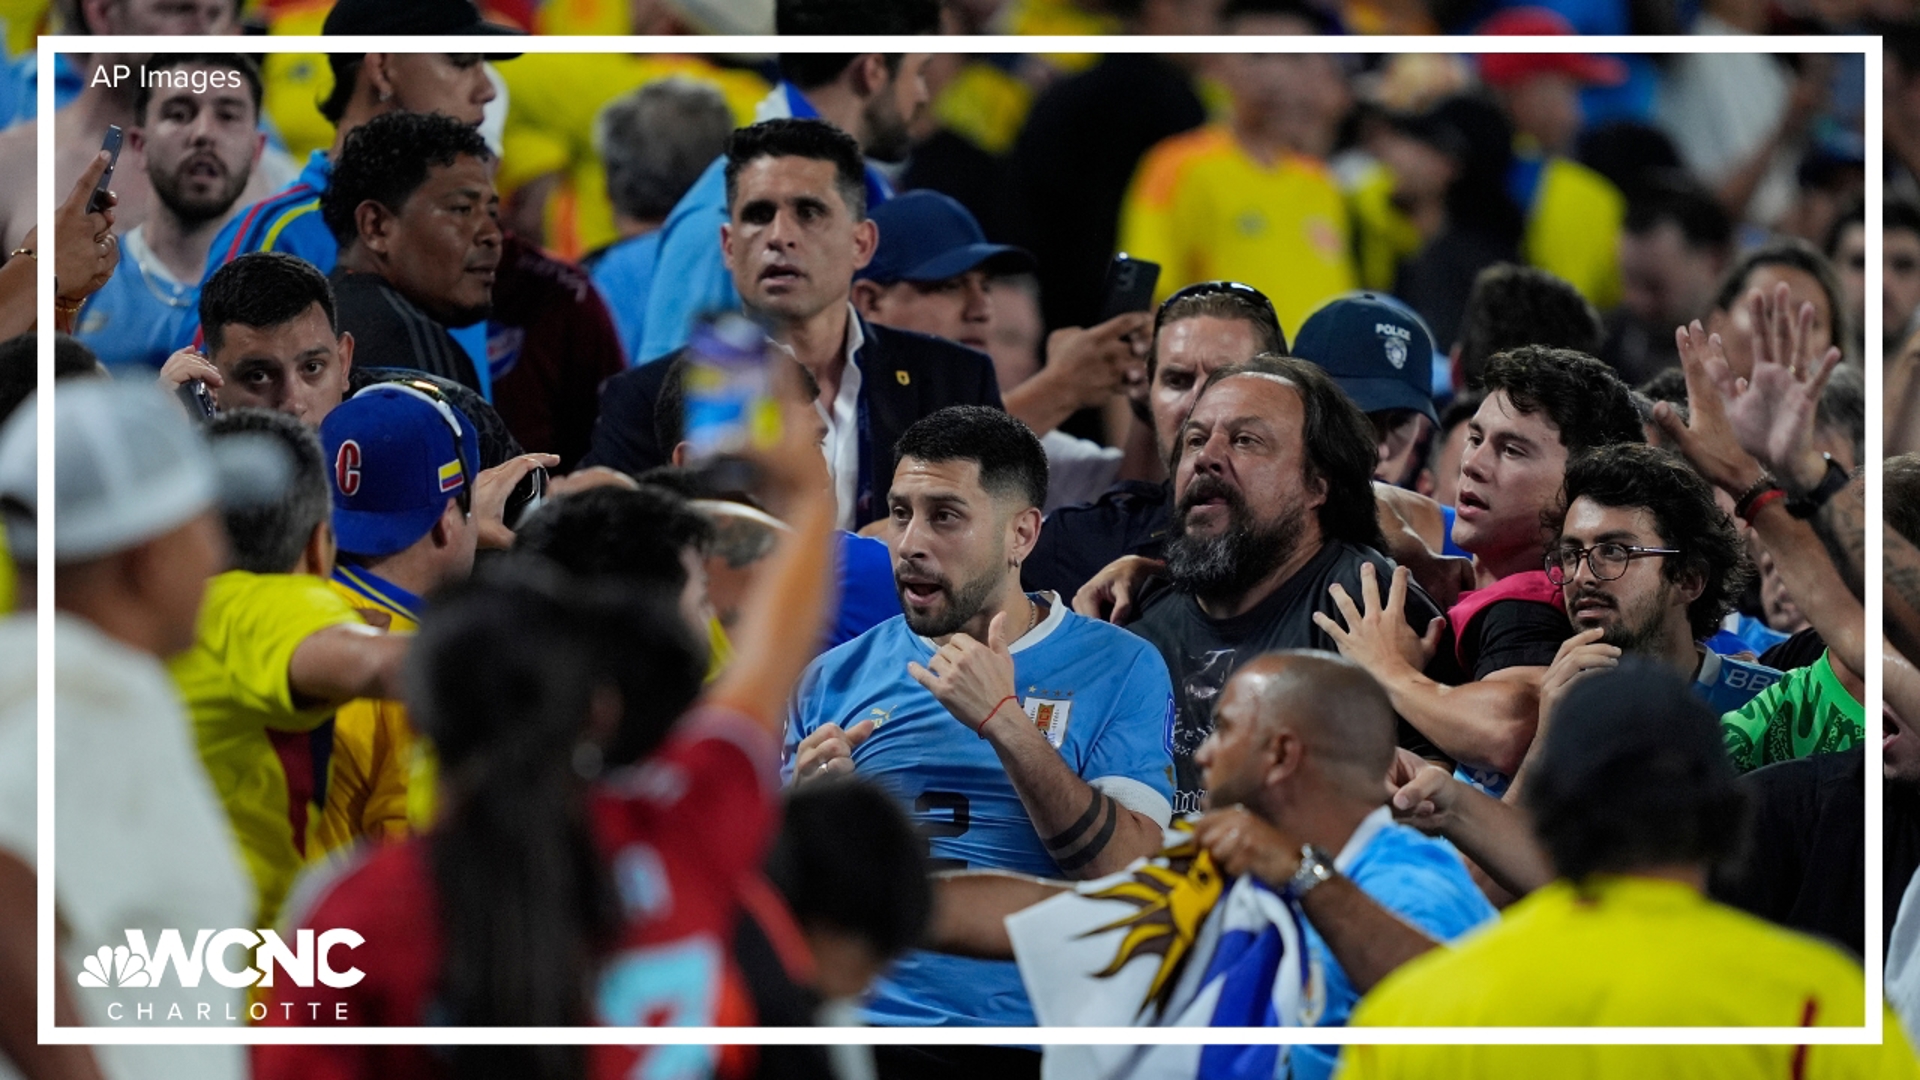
(684,833)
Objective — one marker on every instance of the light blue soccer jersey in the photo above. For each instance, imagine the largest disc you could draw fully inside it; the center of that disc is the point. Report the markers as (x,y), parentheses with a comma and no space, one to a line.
(138,318)
(1726,684)
(1104,699)
(1418,878)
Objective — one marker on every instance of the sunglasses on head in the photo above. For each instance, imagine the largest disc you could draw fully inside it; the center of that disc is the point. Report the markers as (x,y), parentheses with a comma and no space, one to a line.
(1217,288)
(433,396)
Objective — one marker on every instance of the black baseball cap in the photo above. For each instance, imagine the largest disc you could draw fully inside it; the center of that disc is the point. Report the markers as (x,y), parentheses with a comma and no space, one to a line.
(422,17)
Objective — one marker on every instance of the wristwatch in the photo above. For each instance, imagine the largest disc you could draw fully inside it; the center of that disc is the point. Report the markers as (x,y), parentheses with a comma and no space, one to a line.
(1806,505)
(1316,866)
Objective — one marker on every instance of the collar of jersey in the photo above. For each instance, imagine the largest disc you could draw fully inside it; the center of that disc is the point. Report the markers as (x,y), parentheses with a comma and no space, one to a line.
(378,590)
(1056,614)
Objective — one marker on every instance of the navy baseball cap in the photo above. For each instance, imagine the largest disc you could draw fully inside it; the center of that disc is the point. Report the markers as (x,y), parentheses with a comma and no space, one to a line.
(1376,348)
(927,236)
(397,454)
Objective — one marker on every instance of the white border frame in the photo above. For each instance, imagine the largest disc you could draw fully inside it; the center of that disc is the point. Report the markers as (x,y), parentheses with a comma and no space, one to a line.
(1873,961)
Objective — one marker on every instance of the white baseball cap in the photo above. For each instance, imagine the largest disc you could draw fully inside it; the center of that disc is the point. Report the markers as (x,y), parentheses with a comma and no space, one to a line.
(128,466)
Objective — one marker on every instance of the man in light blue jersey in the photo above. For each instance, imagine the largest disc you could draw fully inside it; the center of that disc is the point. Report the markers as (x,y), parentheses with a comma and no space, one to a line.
(1022,737)
(1647,563)
(198,130)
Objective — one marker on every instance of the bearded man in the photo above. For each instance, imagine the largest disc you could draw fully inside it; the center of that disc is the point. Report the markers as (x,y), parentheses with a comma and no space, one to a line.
(1273,505)
(199,135)
(1648,563)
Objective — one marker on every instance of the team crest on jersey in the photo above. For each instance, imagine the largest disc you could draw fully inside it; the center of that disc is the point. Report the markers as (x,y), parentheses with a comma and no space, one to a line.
(1050,716)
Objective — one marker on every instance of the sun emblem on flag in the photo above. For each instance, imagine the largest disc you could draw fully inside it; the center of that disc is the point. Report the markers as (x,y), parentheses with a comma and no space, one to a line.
(1174,893)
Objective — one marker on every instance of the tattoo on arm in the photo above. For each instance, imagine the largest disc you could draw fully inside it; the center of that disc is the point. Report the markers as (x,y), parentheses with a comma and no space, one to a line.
(1902,584)
(1083,841)
(1841,526)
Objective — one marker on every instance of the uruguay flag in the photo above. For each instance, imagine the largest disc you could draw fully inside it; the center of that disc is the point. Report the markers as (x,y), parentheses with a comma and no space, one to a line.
(1167,943)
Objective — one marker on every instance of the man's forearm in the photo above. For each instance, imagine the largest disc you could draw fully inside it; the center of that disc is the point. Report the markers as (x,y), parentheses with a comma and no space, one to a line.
(1086,831)
(970,910)
(1902,592)
(1841,526)
(1814,582)
(1488,723)
(1496,836)
(1368,940)
(342,663)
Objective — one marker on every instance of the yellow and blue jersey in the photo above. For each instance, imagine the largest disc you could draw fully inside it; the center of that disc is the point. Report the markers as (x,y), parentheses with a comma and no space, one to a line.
(265,749)
(1103,699)
(372,764)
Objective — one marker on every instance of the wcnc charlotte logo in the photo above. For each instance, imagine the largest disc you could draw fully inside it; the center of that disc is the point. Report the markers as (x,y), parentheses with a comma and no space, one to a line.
(170,962)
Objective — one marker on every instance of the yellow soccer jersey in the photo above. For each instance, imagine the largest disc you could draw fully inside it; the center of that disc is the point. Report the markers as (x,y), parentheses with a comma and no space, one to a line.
(6,576)
(1625,951)
(373,741)
(265,752)
(1203,209)
(1573,230)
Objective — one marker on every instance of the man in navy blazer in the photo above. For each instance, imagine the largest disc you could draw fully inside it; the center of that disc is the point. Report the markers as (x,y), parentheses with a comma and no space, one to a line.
(797,230)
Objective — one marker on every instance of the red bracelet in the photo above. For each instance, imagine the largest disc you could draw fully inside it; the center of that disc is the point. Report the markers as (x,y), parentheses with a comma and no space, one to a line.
(982,729)
(1771,495)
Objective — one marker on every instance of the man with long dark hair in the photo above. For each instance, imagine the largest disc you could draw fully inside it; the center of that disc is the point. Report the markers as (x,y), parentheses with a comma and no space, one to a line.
(1273,503)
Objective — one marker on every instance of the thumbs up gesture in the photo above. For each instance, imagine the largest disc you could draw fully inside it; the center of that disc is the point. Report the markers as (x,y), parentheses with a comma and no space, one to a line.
(973,679)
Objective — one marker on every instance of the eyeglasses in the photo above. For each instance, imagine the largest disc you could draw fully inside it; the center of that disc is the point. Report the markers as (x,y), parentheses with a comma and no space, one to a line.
(435,397)
(1607,561)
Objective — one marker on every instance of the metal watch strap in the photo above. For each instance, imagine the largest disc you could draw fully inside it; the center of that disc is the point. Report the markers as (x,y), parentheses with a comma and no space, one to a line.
(1316,867)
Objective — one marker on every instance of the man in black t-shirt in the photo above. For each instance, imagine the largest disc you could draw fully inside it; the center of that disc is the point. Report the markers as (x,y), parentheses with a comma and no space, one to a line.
(1273,504)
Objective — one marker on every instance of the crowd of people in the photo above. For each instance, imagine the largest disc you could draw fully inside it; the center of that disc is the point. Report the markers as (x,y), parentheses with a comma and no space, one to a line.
(1433,595)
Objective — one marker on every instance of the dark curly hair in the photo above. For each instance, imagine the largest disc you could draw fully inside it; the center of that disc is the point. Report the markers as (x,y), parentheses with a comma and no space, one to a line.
(1340,446)
(1579,395)
(386,159)
(1637,476)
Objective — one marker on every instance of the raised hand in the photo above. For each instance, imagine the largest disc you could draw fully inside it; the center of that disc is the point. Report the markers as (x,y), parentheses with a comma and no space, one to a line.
(1241,843)
(972,679)
(1706,437)
(1420,793)
(1772,411)
(1378,636)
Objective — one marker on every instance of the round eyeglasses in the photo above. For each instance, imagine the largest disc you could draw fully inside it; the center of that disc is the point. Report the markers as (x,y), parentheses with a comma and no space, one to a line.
(1607,561)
